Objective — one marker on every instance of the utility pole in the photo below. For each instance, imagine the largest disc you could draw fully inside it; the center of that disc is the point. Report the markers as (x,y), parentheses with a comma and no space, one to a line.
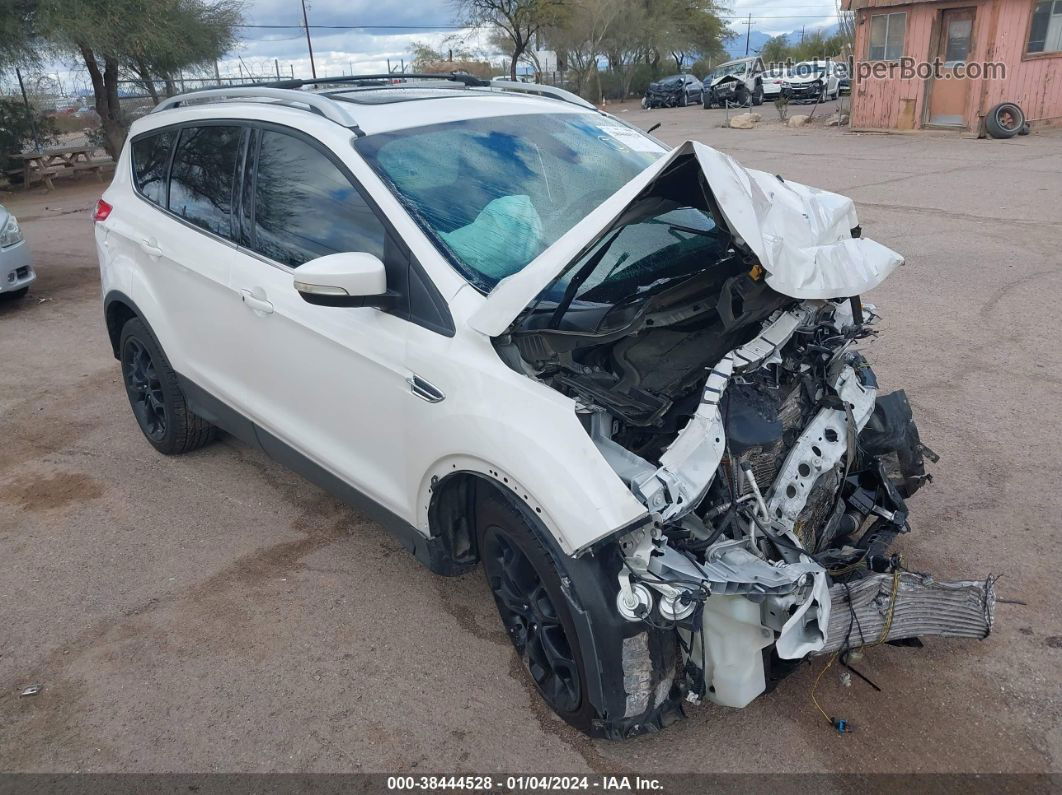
(748,34)
(29,110)
(309,44)
(276,65)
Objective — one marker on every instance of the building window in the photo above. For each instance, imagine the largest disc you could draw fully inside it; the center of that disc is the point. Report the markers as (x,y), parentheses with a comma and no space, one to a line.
(886,36)
(1045,35)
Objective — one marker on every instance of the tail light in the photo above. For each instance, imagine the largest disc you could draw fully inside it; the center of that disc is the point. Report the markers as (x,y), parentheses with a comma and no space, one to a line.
(103,209)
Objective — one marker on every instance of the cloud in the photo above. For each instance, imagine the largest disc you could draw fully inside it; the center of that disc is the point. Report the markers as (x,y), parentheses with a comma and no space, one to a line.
(369,49)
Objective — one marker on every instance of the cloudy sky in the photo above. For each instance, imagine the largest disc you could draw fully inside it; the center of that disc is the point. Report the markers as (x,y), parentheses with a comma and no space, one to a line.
(390,26)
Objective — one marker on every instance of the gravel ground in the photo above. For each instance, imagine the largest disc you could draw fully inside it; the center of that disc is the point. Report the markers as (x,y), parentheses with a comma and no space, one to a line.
(213,612)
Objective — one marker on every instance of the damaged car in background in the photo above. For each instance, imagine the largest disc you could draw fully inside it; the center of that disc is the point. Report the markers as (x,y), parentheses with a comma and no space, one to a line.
(522,334)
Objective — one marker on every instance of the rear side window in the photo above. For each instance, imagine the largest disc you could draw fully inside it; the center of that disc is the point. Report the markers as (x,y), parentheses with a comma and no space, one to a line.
(201,178)
(151,158)
(305,207)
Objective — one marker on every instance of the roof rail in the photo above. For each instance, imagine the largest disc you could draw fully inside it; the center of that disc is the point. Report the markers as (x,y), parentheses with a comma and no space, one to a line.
(316,103)
(467,80)
(538,89)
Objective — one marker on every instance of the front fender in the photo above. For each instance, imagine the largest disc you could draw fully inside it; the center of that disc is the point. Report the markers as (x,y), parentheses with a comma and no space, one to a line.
(558,474)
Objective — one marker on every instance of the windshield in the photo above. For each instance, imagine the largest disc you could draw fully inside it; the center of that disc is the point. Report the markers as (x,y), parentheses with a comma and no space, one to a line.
(493,193)
(728,69)
(809,68)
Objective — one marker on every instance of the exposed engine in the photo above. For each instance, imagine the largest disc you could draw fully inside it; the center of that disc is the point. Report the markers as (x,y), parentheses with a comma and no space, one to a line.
(775,476)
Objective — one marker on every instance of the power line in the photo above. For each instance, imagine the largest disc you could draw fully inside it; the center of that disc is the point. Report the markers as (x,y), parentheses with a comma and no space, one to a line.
(463,27)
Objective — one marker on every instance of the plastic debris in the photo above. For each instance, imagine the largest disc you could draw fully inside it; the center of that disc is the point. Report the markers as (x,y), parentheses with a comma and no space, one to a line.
(32,690)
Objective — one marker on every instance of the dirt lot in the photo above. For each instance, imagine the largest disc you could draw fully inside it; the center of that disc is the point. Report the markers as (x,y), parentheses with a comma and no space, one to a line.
(215,613)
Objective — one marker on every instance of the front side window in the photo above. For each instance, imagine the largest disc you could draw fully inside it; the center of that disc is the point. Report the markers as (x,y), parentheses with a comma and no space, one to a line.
(494,193)
(886,36)
(305,207)
(1045,35)
(151,158)
(201,179)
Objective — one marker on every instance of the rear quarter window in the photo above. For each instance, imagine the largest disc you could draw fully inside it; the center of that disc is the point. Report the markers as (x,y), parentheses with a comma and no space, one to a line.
(151,158)
(201,179)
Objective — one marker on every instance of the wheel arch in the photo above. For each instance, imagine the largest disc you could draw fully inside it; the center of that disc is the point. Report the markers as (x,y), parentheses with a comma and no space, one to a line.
(119,309)
(447,499)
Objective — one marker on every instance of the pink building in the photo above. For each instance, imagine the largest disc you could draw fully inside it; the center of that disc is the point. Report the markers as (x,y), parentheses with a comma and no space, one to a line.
(988,51)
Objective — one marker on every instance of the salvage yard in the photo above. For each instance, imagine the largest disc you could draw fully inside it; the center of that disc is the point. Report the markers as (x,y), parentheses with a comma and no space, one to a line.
(214,612)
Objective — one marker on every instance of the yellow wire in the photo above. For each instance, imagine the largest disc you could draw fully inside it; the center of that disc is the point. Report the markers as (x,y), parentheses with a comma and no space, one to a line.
(885,629)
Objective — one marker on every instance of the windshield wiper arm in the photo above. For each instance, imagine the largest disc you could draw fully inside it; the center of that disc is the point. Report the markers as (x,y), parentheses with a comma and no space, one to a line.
(580,277)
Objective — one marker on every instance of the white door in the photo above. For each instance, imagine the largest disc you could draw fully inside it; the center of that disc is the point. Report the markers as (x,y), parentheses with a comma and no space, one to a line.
(329,382)
(181,277)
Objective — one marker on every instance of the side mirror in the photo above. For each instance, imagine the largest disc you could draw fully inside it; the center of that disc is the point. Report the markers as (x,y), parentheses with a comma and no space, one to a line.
(347,279)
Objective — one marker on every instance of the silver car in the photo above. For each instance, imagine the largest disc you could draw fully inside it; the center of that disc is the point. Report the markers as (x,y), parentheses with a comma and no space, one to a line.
(16,262)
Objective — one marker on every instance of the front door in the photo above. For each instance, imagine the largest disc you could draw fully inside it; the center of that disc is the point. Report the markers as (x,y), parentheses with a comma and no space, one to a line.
(949,96)
(328,382)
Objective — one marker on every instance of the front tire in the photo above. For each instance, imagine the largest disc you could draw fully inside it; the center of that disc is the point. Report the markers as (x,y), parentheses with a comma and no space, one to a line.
(602,675)
(527,590)
(155,395)
(757,97)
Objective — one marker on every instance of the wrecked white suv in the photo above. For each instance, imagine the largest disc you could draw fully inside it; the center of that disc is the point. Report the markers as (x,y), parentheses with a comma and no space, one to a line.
(522,334)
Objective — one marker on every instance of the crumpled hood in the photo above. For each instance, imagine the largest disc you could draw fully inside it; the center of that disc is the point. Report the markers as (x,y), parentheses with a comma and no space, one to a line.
(722,78)
(801,235)
(663,86)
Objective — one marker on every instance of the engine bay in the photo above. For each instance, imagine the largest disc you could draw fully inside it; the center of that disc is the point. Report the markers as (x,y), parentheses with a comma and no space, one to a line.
(775,475)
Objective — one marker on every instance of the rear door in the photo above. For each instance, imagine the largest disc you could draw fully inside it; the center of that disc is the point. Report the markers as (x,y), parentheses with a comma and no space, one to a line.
(179,233)
(329,382)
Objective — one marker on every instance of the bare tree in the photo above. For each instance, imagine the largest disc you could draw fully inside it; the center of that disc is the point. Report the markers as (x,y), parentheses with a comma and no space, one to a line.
(515,23)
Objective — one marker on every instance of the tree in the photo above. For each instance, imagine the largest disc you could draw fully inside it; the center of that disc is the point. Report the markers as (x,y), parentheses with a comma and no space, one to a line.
(148,38)
(775,49)
(513,23)
(18,45)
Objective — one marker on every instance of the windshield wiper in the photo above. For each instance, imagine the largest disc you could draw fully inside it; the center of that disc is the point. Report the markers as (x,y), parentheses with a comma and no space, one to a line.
(580,277)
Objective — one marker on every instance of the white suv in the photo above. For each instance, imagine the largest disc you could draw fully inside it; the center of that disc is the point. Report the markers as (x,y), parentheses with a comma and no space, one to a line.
(516,331)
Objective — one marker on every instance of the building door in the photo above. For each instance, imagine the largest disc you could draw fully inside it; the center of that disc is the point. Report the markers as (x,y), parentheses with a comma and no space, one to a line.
(948,94)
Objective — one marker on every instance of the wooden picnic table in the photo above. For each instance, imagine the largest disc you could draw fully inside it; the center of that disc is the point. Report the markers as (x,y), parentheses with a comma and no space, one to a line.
(47,163)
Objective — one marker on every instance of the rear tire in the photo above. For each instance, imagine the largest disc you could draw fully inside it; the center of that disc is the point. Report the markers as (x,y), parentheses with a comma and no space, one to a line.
(155,395)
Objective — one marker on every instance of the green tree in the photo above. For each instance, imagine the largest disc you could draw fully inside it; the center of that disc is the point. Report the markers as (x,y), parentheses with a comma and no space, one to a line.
(22,128)
(513,24)
(775,49)
(148,38)
(18,44)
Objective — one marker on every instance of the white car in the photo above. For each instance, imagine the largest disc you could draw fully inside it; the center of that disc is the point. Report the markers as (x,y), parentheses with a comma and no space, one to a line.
(773,80)
(16,262)
(813,80)
(518,332)
(736,83)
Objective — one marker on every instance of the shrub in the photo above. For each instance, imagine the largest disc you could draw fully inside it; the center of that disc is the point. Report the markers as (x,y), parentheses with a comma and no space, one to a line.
(16,130)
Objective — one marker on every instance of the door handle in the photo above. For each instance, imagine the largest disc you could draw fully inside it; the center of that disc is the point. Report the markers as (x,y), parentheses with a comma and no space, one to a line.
(150,248)
(255,303)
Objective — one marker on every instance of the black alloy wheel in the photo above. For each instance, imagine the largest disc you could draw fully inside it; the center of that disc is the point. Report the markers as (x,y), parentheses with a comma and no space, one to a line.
(532,621)
(144,386)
